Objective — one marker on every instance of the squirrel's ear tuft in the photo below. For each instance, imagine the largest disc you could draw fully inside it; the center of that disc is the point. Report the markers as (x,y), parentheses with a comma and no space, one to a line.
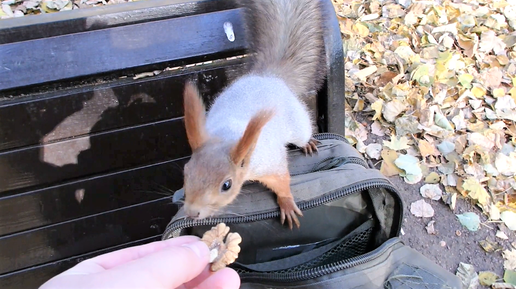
(242,151)
(195,116)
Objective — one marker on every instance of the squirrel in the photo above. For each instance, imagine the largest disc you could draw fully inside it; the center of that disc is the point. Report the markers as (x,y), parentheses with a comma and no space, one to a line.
(245,134)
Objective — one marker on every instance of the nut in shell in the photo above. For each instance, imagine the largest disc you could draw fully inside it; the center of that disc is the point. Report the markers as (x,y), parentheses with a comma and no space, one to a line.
(222,253)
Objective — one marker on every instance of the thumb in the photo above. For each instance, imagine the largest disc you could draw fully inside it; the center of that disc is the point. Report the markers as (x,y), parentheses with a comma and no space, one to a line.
(167,268)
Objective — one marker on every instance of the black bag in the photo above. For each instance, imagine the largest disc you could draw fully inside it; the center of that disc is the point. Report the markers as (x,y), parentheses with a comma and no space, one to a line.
(348,236)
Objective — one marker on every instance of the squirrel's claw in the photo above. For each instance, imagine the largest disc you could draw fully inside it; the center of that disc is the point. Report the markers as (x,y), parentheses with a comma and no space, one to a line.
(289,211)
(311,147)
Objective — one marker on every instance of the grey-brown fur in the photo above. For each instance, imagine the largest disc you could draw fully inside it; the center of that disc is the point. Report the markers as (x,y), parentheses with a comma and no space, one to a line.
(287,39)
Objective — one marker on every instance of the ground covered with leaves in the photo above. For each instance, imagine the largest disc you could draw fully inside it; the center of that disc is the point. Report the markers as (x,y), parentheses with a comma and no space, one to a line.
(431,99)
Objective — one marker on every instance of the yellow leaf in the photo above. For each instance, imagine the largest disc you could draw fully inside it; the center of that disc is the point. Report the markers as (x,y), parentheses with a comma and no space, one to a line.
(465,79)
(422,75)
(426,148)
(478,92)
(388,167)
(512,92)
(361,29)
(377,107)
(359,105)
(432,178)
(476,190)
(498,92)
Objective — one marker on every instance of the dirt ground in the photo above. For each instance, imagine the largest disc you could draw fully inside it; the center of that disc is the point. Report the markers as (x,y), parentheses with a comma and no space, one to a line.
(464,248)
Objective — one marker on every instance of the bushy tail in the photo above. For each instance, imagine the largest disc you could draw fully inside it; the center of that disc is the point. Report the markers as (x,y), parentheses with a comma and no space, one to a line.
(287,39)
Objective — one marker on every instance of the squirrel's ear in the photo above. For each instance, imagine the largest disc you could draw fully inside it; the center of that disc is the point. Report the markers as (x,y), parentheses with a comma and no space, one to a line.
(242,151)
(195,116)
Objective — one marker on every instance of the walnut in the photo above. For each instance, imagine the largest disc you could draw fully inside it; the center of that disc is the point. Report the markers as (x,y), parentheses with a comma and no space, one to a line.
(221,253)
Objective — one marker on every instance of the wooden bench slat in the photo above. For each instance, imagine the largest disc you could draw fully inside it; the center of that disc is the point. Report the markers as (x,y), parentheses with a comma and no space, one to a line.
(100,51)
(102,152)
(35,276)
(123,103)
(89,196)
(102,17)
(80,236)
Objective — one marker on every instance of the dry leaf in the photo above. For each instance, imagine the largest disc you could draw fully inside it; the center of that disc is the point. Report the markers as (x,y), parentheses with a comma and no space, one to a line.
(373,150)
(430,228)
(376,128)
(510,259)
(431,191)
(397,143)
(421,209)
(392,109)
(476,191)
(467,275)
(388,167)
(432,178)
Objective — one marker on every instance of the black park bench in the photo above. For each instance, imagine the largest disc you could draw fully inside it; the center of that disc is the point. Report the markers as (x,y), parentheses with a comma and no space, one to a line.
(92,141)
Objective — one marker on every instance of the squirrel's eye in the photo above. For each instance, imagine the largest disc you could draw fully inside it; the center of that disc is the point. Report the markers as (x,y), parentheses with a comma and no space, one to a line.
(226,185)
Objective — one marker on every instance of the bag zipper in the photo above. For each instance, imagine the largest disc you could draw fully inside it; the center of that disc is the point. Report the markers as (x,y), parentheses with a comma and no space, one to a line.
(174,231)
(325,269)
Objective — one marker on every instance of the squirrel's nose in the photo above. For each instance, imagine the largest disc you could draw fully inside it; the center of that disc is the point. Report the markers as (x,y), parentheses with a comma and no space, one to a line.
(192,213)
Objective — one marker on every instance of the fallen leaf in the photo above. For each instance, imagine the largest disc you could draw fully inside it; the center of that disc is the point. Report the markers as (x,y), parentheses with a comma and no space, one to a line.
(489,246)
(476,191)
(364,73)
(373,150)
(388,168)
(506,165)
(377,106)
(501,235)
(469,220)
(430,228)
(412,172)
(503,286)
(421,209)
(397,143)
(426,148)
(510,259)
(487,278)
(376,128)
(465,80)
(432,178)
(431,191)
(442,121)
(509,218)
(510,277)
(494,212)
(467,275)
(446,147)
(490,42)
(392,109)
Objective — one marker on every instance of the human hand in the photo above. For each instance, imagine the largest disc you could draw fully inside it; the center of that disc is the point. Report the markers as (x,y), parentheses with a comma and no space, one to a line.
(175,263)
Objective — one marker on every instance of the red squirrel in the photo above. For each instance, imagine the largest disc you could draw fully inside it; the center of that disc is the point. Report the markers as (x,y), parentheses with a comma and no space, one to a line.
(244,135)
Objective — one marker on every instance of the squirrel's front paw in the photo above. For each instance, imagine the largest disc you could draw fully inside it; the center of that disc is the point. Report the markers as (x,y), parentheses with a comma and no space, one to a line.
(311,146)
(289,210)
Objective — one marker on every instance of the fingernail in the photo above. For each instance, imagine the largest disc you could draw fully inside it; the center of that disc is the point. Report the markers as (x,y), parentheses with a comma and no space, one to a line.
(200,249)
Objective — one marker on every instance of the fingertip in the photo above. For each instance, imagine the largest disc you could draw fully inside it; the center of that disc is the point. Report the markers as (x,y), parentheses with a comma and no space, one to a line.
(232,277)
(226,278)
(199,248)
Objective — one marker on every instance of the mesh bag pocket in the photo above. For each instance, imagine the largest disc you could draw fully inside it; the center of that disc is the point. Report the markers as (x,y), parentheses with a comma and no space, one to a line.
(352,245)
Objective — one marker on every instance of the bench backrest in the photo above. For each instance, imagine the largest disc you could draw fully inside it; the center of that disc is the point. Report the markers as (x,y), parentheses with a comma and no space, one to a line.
(92,140)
